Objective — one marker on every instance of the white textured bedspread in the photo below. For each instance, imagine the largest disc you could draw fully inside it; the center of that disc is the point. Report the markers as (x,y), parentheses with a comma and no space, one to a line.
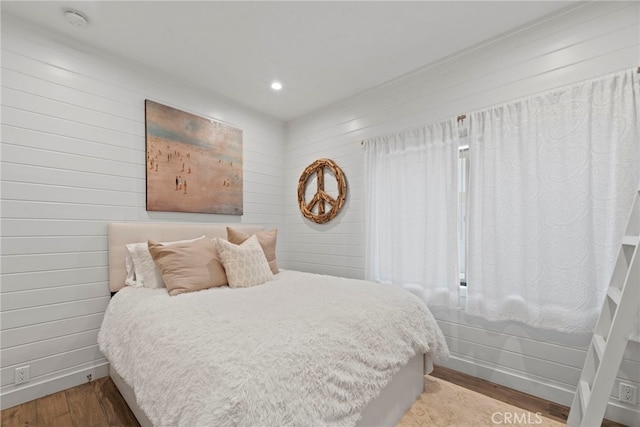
(301,350)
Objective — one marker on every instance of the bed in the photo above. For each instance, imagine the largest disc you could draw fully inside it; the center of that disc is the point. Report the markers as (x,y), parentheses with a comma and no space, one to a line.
(300,349)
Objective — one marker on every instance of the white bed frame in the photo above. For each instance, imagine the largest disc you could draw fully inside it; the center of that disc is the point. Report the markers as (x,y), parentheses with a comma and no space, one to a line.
(384,411)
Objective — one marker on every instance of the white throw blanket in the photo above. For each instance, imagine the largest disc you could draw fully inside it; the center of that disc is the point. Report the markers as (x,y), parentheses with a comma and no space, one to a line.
(301,350)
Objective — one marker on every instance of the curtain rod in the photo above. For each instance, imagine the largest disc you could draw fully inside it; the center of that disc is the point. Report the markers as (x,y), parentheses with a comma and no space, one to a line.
(461,117)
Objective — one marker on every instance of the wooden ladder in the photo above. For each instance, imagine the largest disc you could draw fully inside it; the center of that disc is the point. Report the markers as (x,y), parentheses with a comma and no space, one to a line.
(612,332)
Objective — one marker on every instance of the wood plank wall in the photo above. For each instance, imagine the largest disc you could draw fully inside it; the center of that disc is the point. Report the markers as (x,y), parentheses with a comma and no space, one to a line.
(73,159)
(581,42)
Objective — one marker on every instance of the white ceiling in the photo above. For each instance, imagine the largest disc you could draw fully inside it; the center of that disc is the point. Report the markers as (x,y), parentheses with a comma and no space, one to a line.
(321,51)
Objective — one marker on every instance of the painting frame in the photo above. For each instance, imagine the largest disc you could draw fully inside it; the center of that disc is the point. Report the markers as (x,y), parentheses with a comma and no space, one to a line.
(192,163)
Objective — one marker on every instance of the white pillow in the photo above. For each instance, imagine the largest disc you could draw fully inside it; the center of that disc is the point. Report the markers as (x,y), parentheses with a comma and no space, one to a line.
(147,274)
(128,262)
(245,264)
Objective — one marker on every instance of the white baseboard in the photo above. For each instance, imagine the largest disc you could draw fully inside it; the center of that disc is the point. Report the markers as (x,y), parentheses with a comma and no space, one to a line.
(620,413)
(46,386)
(623,414)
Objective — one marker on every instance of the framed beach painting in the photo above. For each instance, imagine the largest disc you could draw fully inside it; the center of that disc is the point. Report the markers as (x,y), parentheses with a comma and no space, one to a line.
(193,164)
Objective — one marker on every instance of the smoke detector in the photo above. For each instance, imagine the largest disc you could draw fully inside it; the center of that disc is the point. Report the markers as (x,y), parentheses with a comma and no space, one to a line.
(75,18)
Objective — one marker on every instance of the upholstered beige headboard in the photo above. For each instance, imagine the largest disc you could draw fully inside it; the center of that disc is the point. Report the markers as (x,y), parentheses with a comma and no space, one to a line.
(122,233)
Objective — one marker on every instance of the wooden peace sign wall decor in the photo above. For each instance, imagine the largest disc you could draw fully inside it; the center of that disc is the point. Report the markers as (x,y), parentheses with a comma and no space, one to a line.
(321,199)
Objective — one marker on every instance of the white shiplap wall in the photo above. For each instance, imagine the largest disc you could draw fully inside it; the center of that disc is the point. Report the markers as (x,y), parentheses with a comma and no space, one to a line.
(584,41)
(73,159)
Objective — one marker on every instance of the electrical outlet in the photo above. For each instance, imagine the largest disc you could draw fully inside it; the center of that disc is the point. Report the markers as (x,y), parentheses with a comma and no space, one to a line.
(22,374)
(628,393)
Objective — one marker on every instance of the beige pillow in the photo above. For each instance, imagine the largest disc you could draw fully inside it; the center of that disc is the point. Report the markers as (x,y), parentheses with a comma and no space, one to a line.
(267,240)
(244,264)
(188,267)
(145,271)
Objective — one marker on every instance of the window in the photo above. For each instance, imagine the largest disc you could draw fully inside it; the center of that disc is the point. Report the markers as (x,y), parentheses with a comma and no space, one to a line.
(463,195)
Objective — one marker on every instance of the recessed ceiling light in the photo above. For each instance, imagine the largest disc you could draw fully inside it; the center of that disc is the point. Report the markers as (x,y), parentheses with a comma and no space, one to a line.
(276,85)
(75,18)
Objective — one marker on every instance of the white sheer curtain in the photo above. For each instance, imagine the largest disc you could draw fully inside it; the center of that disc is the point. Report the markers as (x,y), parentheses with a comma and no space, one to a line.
(411,211)
(551,181)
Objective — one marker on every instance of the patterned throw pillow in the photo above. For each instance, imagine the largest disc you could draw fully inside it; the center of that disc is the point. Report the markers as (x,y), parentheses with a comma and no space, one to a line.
(245,264)
(267,240)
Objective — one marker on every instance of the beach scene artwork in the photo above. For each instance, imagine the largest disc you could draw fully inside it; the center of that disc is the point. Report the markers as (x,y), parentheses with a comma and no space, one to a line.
(193,164)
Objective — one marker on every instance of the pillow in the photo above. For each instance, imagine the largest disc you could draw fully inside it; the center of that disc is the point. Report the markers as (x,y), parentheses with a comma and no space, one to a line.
(143,266)
(188,267)
(146,273)
(245,265)
(130,280)
(267,240)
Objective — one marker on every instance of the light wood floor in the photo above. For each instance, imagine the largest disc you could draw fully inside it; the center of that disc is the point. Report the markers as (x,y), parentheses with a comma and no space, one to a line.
(95,404)
(451,398)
